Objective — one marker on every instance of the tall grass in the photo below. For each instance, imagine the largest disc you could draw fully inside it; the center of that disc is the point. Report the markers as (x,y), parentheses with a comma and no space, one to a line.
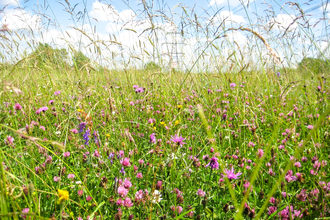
(205,125)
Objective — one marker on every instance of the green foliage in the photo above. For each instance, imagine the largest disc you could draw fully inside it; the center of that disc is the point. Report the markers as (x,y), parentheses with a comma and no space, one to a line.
(151,66)
(314,65)
(44,55)
(79,59)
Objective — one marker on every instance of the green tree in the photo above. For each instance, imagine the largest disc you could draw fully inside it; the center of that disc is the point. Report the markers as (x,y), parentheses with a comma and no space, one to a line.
(314,65)
(79,60)
(44,55)
(151,66)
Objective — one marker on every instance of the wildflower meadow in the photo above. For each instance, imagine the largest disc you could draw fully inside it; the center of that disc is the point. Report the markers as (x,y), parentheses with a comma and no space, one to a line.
(93,126)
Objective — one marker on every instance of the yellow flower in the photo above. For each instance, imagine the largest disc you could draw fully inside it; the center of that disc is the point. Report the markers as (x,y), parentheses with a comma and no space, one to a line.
(79,110)
(154,128)
(63,195)
(162,122)
(179,106)
(176,122)
(108,135)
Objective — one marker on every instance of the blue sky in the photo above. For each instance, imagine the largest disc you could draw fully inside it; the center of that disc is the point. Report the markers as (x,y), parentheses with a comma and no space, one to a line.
(106,21)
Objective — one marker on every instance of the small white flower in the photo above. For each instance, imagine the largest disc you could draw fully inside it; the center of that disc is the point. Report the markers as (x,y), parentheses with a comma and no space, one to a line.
(156,196)
(57,132)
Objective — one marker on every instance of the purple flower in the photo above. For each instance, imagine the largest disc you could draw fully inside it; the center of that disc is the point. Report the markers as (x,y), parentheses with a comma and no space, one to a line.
(17,106)
(71,176)
(42,109)
(95,133)
(278,74)
(232,85)
(200,193)
(153,138)
(231,175)
(86,136)
(26,210)
(122,170)
(178,140)
(289,176)
(57,92)
(82,126)
(214,164)
(139,90)
(272,209)
(75,131)
(260,153)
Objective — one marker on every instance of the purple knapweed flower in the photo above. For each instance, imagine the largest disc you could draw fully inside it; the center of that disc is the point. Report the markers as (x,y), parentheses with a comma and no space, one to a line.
(57,92)
(214,164)
(42,109)
(178,140)
(231,175)
(139,90)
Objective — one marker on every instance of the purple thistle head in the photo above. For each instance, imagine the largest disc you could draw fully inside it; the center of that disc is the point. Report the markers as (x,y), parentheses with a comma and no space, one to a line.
(86,136)
(214,164)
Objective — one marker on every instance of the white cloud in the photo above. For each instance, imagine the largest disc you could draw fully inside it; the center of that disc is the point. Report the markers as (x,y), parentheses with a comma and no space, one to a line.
(20,19)
(236,36)
(9,2)
(227,16)
(105,12)
(231,2)
(283,22)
